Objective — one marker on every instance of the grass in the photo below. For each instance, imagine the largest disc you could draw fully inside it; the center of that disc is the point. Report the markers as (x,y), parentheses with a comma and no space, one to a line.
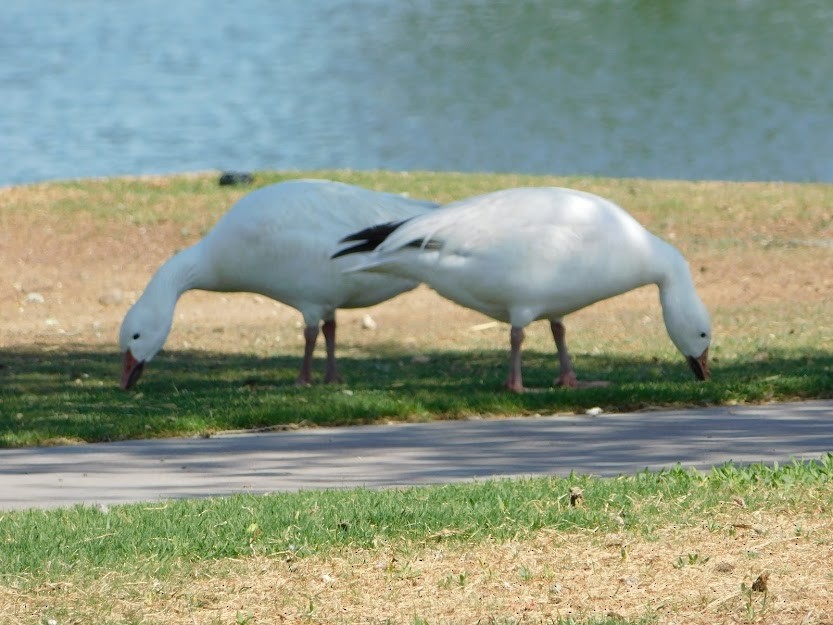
(54,544)
(67,553)
(71,396)
(49,545)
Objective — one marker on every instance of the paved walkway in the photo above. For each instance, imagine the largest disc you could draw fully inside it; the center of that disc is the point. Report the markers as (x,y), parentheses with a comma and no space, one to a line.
(391,455)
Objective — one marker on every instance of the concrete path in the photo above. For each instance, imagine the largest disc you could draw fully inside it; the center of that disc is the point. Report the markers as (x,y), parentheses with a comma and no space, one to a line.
(392,455)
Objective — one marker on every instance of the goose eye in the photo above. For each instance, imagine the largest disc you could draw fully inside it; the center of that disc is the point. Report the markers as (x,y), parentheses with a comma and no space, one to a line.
(702,335)
(137,335)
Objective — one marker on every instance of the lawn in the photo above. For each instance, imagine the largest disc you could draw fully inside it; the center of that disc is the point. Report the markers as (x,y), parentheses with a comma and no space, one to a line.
(665,547)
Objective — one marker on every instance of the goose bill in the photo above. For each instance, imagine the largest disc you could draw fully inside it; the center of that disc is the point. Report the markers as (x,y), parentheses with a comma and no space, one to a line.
(700,365)
(131,370)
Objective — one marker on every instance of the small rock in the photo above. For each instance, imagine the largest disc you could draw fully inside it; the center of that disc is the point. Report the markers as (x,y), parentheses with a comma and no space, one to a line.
(114,297)
(593,412)
(34,298)
(368,323)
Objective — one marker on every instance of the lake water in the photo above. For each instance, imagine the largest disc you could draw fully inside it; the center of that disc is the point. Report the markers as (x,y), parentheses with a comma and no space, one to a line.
(704,89)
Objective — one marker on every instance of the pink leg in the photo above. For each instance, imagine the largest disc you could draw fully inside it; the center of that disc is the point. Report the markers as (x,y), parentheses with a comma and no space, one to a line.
(329,330)
(310,336)
(515,383)
(568,376)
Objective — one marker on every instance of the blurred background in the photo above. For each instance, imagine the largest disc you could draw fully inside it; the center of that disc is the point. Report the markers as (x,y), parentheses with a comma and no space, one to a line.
(711,89)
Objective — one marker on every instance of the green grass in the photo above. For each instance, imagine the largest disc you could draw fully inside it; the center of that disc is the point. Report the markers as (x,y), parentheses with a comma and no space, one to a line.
(666,203)
(153,200)
(81,541)
(60,397)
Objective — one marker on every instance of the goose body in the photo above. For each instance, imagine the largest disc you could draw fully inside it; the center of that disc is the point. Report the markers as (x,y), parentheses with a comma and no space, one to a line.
(275,241)
(523,254)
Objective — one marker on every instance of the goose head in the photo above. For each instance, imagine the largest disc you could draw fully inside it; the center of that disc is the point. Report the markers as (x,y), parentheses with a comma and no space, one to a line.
(690,328)
(143,333)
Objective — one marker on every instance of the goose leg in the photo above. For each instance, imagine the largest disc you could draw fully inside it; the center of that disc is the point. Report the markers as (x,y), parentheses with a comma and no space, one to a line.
(567,377)
(310,336)
(329,331)
(515,383)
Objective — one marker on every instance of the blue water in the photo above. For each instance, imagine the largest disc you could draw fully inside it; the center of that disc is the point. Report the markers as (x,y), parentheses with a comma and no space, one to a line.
(712,89)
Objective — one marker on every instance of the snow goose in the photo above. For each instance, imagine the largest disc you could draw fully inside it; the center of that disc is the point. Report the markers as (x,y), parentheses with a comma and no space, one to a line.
(275,241)
(523,254)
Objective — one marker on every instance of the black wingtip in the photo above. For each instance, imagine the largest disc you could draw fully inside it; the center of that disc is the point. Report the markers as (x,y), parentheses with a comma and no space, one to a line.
(364,246)
(377,233)
(369,238)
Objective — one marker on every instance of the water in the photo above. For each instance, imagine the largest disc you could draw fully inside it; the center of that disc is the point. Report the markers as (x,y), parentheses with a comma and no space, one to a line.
(711,89)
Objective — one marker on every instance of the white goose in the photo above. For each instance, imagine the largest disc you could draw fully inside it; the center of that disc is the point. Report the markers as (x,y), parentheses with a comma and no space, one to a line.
(539,253)
(275,241)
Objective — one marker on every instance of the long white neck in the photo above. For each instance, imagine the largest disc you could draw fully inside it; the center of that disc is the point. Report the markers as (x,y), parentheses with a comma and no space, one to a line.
(686,317)
(674,280)
(180,273)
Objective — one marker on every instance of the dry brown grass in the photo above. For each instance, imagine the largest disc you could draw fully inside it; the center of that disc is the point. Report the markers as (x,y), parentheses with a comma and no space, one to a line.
(695,575)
